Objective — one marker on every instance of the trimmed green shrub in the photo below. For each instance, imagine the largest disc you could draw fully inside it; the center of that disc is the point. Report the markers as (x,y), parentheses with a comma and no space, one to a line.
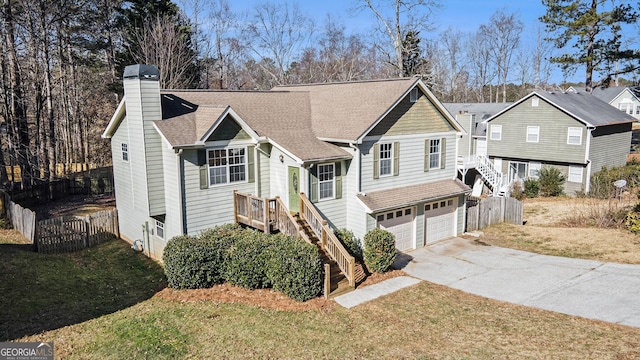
(189,263)
(531,188)
(350,242)
(379,250)
(295,268)
(551,181)
(246,263)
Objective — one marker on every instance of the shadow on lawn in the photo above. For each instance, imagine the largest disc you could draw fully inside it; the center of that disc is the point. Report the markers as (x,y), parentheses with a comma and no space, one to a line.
(40,292)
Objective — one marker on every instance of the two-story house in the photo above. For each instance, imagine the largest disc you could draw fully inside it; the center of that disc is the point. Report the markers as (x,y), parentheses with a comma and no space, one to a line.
(367,154)
(574,131)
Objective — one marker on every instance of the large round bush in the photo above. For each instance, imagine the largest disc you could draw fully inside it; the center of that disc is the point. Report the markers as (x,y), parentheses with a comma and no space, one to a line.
(295,268)
(189,263)
(247,261)
(350,242)
(379,250)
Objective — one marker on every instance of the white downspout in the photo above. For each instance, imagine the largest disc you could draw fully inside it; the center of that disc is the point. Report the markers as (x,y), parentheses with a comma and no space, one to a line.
(587,186)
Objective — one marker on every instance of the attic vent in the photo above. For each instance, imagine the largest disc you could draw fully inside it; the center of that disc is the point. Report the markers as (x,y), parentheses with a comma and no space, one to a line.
(535,101)
(413,95)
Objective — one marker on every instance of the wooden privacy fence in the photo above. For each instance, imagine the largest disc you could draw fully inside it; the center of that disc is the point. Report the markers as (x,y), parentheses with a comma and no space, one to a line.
(73,233)
(22,219)
(494,210)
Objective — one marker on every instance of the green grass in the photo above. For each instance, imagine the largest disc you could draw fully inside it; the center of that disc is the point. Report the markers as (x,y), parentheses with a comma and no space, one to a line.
(98,304)
(46,291)
(423,321)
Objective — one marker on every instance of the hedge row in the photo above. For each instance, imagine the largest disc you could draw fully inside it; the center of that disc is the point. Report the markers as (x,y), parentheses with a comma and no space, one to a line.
(245,258)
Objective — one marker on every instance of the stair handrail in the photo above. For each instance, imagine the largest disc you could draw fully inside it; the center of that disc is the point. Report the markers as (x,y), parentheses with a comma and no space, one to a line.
(285,222)
(328,240)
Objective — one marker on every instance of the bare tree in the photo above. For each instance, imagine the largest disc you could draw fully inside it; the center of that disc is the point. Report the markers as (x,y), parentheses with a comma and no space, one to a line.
(503,36)
(160,42)
(278,32)
(455,74)
(481,67)
(407,15)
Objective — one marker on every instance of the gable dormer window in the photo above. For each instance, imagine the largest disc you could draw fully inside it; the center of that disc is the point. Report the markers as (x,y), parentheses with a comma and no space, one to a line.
(413,95)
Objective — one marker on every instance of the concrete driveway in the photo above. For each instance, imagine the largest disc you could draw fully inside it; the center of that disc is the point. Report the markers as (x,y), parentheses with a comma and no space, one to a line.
(586,288)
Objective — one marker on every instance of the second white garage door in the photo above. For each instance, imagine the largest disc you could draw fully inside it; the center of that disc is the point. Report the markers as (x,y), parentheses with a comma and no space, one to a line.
(400,223)
(440,220)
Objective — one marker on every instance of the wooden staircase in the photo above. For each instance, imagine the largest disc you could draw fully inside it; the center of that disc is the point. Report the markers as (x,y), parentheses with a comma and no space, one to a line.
(338,283)
(271,215)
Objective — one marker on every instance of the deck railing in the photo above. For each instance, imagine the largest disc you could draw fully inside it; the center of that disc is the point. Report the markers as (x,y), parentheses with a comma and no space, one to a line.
(253,211)
(285,222)
(328,239)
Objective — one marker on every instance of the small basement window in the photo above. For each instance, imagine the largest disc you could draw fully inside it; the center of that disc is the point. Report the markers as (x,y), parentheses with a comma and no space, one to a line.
(160,229)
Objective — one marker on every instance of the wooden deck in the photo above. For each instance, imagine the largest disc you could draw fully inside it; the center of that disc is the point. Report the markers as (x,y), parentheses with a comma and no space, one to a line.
(271,215)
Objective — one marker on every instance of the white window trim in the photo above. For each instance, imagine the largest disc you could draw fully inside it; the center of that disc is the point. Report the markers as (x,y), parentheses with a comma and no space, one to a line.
(535,102)
(391,157)
(534,166)
(533,130)
(439,152)
(124,148)
(228,166)
(498,131)
(569,135)
(333,182)
(573,178)
(159,225)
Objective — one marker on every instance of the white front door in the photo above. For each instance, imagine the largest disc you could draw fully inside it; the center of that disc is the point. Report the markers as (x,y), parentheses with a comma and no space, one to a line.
(401,224)
(440,220)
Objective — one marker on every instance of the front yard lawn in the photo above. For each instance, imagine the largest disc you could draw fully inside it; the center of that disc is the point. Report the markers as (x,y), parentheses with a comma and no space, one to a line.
(99,303)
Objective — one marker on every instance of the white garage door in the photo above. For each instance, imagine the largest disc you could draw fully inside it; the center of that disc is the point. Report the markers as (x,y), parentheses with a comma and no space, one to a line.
(440,219)
(400,223)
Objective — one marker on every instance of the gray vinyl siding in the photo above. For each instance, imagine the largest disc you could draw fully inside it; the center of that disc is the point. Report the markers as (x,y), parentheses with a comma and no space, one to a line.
(279,175)
(552,144)
(155,172)
(466,146)
(411,170)
(264,174)
(334,210)
(205,208)
(609,146)
(172,186)
(130,202)
(355,215)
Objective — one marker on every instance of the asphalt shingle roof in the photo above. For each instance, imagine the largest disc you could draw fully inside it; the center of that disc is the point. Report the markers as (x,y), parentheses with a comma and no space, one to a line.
(483,111)
(586,107)
(347,110)
(284,117)
(382,200)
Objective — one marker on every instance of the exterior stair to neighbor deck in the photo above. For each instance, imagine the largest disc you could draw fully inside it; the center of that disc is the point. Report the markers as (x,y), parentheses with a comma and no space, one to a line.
(494,178)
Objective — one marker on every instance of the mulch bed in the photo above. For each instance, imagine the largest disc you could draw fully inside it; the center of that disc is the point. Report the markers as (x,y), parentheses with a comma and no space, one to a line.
(262,298)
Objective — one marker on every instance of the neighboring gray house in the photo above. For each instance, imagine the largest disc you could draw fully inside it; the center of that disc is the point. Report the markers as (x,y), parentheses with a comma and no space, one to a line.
(624,98)
(574,132)
(472,117)
(368,154)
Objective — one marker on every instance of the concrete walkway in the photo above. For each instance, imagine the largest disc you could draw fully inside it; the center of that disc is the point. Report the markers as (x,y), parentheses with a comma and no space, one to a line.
(590,289)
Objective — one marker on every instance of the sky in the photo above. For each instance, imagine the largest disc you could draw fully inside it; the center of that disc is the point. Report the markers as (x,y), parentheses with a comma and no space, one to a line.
(463,15)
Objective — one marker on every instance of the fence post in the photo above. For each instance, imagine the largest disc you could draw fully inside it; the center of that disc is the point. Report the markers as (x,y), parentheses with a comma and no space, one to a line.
(327,280)
(235,206)
(265,205)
